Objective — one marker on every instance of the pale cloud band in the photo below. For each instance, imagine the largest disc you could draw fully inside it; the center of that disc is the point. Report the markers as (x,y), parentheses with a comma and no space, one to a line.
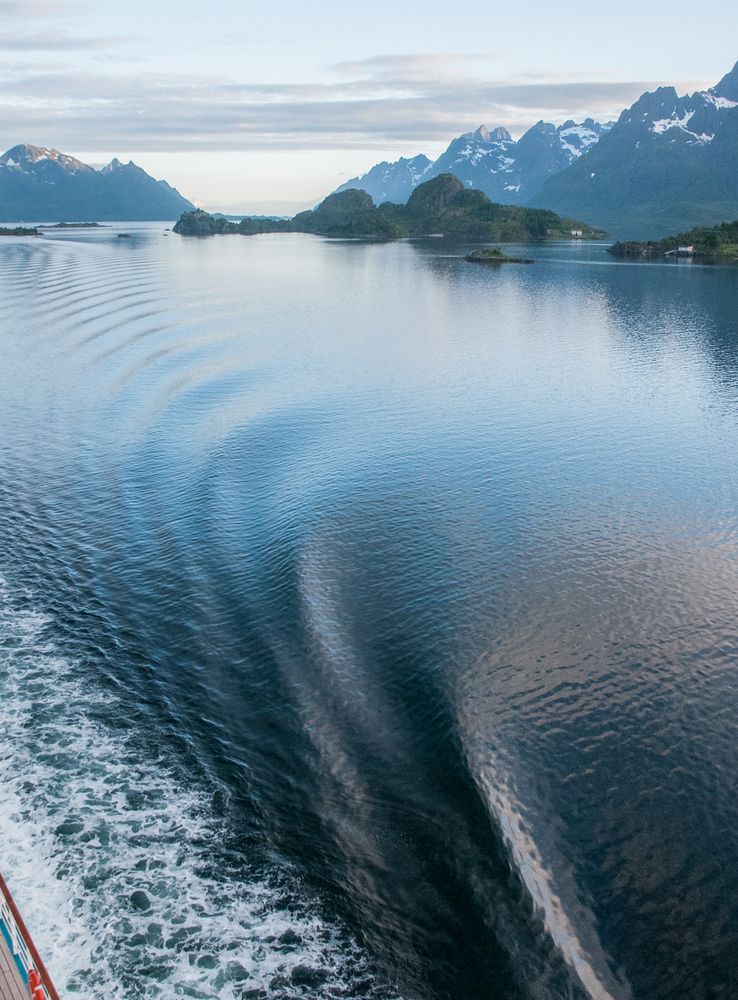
(102,110)
(55,41)
(76,78)
(32,9)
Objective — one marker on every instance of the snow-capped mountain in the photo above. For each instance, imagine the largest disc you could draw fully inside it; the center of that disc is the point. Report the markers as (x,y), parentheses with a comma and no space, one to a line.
(43,185)
(475,156)
(510,172)
(546,150)
(491,161)
(42,161)
(391,181)
(669,163)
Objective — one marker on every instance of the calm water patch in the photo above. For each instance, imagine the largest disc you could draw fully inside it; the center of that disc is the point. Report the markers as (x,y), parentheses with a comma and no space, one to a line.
(368,619)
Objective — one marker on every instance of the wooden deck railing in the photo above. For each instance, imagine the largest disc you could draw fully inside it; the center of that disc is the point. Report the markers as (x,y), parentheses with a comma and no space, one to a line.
(21,942)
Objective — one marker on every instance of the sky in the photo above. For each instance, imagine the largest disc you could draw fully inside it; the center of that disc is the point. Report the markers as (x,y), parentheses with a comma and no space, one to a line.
(267,107)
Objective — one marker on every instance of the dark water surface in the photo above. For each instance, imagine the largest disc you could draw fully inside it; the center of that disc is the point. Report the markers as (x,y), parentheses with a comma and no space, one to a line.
(369,620)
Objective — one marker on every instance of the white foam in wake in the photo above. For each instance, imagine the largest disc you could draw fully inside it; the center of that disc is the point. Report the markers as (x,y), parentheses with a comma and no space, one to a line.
(108,856)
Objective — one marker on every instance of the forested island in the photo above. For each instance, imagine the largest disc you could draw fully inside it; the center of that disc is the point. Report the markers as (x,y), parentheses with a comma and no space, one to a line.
(18,231)
(36,230)
(493,255)
(442,206)
(74,225)
(714,243)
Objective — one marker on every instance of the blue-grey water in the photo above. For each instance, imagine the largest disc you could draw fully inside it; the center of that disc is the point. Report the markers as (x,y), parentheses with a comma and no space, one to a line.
(369,619)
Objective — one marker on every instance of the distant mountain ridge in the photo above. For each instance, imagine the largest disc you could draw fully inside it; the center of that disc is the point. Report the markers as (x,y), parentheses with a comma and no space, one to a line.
(38,184)
(491,161)
(669,163)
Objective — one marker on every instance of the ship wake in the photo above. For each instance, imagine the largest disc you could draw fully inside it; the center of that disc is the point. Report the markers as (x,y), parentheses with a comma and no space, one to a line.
(113,860)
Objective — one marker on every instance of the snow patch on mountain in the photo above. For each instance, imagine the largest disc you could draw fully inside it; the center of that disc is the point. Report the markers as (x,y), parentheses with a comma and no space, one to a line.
(577,139)
(25,156)
(664,124)
(721,102)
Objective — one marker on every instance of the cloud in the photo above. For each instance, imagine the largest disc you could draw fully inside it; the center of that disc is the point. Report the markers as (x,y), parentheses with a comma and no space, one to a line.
(30,9)
(413,66)
(52,41)
(402,102)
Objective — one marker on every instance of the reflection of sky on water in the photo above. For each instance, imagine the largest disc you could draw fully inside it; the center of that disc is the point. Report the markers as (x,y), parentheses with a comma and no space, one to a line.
(448,554)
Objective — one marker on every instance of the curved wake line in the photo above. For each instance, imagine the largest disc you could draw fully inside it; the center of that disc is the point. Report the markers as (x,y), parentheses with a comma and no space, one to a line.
(539,883)
(112,859)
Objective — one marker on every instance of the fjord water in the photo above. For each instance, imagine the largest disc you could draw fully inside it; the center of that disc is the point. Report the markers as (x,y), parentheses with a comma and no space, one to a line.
(368,619)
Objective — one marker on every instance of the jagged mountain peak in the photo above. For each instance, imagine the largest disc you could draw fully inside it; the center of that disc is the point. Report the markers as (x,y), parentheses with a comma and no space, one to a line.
(500,134)
(485,135)
(728,86)
(116,164)
(25,156)
(420,160)
(482,136)
(543,127)
(691,119)
(661,101)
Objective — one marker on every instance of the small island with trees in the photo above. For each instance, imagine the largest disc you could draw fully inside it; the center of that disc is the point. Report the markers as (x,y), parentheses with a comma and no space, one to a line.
(717,243)
(74,225)
(18,231)
(37,230)
(442,206)
(493,255)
